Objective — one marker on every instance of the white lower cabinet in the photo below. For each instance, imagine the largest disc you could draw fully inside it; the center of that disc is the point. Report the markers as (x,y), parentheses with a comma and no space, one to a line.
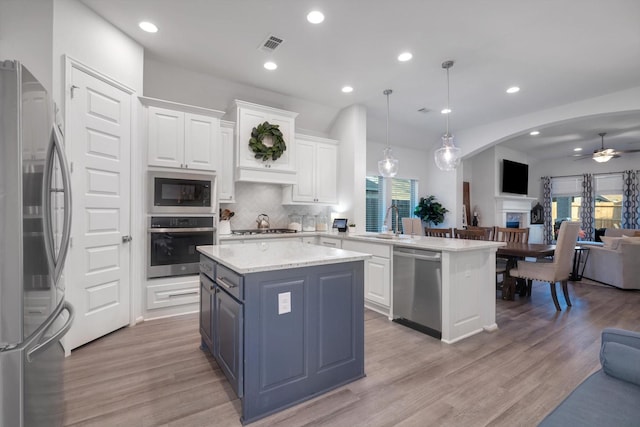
(377,274)
(172,295)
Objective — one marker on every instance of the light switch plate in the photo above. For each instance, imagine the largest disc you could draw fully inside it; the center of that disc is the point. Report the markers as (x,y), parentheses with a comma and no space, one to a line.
(284,303)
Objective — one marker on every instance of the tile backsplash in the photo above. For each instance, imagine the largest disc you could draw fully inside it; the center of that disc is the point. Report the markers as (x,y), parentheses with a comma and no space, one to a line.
(253,199)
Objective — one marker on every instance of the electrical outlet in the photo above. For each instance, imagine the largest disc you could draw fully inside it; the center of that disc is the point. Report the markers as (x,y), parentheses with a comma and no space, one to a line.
(284,303)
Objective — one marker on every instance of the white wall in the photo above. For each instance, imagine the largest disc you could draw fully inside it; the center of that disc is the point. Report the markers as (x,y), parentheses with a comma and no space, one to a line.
(84,36)
(350,128)
(482,185)
(173,83)
(26,30)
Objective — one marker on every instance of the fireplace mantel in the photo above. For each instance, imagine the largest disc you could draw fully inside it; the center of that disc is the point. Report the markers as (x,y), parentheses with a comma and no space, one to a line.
(513,205)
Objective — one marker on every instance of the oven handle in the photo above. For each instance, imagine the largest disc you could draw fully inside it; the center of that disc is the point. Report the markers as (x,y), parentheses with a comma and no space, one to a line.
(181,230)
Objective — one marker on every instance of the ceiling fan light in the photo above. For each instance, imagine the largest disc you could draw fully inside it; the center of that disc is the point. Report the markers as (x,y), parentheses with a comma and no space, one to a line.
(602,156)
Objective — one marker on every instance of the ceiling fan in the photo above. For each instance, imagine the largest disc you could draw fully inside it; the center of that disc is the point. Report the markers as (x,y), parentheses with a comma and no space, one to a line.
(603,155)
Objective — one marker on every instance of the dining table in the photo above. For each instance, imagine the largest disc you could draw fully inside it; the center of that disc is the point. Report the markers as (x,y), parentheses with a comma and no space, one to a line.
(514,251)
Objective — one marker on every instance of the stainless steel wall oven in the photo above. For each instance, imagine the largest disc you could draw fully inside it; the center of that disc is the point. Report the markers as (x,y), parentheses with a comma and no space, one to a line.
(173,241)
(174,192)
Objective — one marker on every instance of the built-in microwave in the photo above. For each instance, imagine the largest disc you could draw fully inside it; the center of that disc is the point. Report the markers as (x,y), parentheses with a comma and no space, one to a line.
(180,193)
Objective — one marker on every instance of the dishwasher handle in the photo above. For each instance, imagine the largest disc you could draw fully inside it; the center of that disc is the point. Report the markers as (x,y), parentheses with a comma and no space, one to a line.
(436,257)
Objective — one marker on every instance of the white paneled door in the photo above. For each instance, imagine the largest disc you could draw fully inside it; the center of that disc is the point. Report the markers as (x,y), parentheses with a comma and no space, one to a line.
(98,139)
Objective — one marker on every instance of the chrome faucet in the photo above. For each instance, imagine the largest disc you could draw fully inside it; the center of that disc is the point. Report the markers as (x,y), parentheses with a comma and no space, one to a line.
(396,231)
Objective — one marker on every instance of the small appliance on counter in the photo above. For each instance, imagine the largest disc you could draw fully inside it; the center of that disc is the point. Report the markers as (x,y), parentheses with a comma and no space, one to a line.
(340,224)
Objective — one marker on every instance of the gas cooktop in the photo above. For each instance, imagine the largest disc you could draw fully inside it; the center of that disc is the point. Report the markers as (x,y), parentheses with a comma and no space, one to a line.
(263,231)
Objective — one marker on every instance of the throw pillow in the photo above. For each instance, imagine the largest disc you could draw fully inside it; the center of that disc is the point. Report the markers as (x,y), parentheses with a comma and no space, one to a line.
(621,361)
(611,242)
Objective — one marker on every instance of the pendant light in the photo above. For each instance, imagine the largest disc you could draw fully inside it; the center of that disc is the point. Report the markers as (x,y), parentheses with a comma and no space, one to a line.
(447,157)
(388,166)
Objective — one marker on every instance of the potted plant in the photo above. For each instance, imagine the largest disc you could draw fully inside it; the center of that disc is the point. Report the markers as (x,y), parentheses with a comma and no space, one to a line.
(430,211)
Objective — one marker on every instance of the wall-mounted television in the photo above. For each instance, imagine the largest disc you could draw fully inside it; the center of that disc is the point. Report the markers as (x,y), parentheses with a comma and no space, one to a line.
(515,177)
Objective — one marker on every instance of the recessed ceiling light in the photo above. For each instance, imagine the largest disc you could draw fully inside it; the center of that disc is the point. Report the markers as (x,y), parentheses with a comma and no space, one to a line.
(534,132)
(270,65)
(577,149)
(445,110)
(148,27)
(347,89)
(405,56)
(513,89)
(315,17)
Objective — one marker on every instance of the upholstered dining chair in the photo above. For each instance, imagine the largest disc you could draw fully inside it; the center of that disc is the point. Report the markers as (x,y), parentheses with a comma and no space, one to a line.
(461,233)
(412,226)
(437,232)
(556,271)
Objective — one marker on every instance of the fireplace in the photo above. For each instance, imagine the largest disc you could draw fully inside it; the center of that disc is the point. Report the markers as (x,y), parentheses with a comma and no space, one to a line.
(513,212)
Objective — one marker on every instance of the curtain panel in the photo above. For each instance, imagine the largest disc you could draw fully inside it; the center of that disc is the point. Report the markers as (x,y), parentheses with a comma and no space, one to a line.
(631,199)
(588,208)
(546,213)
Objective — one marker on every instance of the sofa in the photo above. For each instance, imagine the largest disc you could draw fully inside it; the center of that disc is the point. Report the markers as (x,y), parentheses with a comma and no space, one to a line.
(617,261)
(611,395)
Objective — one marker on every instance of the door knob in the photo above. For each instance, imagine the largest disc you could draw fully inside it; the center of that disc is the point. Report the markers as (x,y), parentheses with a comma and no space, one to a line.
(126,239)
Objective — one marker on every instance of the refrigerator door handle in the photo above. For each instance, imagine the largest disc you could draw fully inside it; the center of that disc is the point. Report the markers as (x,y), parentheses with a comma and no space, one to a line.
(55,147)
(35,351)
(49,245)
(66,182)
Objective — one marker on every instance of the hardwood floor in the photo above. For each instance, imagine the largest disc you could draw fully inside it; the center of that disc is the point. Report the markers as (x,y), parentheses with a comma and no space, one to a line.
(154,374)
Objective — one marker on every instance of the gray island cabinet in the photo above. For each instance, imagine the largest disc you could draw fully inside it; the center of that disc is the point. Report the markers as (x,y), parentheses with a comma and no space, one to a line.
(284,320)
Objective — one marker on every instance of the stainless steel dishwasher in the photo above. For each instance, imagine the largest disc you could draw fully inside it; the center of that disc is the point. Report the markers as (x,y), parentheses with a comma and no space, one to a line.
(417,290)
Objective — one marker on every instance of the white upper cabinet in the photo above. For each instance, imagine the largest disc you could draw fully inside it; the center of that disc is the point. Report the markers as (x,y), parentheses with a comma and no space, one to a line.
(316,179)
(226,190)
(182,136)
(248,168)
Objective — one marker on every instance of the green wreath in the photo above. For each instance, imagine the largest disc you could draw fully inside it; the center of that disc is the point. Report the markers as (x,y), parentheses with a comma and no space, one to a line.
(262,151)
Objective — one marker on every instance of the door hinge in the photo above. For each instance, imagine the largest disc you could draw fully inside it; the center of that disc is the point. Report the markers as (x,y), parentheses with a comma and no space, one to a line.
(70,242)
(71,167)
(73,88)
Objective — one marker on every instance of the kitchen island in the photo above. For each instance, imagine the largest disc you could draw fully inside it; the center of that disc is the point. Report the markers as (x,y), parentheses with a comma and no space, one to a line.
(467,267)
(284,320)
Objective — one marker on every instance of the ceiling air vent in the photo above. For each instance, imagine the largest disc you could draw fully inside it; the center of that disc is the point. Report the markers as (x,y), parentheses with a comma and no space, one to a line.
(271,43)
(423,110)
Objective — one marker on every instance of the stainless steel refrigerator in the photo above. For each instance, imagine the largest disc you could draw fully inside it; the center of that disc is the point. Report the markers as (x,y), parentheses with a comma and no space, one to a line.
(35,221)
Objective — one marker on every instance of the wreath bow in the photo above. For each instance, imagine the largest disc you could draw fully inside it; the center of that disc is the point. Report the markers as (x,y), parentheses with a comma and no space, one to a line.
(262,151)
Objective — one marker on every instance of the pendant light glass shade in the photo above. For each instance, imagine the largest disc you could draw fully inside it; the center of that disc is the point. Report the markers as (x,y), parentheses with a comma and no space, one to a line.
(388,166)
(447,157)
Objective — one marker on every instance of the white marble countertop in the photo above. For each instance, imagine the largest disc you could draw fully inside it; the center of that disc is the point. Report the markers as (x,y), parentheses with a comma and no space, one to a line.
(266,256)
(419,242)
(429,243)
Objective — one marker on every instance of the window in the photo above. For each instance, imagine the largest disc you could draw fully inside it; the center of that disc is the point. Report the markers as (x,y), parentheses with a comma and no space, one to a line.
(564,208)
(403,194)
(608,201)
